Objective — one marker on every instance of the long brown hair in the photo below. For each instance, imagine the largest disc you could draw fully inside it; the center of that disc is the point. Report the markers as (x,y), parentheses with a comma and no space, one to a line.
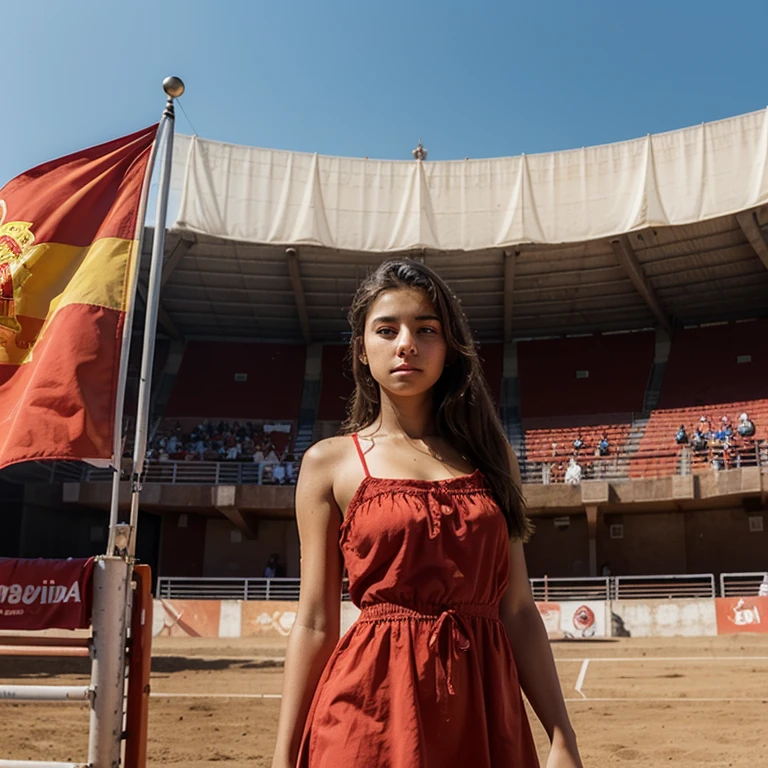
(465,415)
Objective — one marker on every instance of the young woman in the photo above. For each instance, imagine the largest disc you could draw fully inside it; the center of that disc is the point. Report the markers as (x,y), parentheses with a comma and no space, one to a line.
(420,501)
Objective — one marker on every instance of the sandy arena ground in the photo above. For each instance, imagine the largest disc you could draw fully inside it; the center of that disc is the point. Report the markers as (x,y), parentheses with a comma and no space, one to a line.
(687,702)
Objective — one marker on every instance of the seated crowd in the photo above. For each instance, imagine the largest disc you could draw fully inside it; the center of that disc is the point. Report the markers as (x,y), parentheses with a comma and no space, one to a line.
(719,444)
(225,441)
(580,464)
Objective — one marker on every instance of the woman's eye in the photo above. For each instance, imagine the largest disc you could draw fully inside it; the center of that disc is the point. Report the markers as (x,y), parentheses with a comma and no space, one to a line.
(427,329)
(384,331)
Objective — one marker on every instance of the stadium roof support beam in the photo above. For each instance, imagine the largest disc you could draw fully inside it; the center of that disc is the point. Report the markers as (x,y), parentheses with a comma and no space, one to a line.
(178,253)
(626,257)
(292,257)
(753,233)
(163,318)
(510,262)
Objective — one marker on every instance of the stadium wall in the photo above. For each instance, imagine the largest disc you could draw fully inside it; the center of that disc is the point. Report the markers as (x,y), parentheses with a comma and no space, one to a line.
(205,385)
(618,366)
(271,621)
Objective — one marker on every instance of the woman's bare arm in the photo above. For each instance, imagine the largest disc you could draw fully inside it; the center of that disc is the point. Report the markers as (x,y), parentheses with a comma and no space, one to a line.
(316,630)
(533,656)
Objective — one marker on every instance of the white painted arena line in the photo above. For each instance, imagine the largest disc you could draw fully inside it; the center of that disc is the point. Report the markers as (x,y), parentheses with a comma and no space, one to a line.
(160,695)
(580,679)
(662,658)
(670,699)
(663,699)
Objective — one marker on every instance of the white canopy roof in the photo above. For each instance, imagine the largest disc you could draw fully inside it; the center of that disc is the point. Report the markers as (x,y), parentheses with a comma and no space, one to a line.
(266,196)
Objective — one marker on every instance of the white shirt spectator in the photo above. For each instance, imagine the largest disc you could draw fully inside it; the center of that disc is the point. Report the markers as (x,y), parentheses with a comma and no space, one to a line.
(258,456)
(573,473)
(232,453)
(271,458)
(173,444)
(278,474)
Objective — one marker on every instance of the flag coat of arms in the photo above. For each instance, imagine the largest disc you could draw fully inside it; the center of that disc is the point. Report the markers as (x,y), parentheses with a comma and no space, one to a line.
(68,258)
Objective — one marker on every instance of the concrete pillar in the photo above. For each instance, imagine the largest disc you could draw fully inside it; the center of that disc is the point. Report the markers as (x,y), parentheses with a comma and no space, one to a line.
(591,511)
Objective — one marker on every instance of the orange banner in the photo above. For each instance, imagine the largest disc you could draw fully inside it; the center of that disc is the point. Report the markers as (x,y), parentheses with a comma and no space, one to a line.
(68,253)
(741,614)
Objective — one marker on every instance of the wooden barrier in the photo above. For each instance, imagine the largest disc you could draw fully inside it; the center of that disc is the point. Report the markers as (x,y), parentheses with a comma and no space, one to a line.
(140,663)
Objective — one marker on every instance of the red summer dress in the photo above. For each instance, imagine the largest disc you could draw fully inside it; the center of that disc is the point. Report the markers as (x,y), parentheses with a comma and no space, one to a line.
(425,677)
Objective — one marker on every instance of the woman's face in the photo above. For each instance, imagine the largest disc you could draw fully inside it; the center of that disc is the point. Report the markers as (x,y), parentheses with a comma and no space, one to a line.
(404,344)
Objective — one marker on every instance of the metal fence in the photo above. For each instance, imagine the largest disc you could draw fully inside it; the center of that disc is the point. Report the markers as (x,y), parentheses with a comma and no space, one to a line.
(741,584)
(665,586)
(546,589)
(615,468)
(225,588)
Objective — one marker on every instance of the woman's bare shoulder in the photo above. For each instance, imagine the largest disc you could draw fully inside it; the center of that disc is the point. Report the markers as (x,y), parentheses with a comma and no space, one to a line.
(325,455)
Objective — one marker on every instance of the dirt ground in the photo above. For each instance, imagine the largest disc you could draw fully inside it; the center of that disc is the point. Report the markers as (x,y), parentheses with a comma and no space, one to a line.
(687,702)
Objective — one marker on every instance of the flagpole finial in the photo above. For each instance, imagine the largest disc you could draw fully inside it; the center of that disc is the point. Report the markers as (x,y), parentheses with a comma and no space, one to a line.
(173,86)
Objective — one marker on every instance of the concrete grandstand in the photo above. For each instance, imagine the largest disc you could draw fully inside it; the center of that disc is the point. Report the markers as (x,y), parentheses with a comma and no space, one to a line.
(615,291)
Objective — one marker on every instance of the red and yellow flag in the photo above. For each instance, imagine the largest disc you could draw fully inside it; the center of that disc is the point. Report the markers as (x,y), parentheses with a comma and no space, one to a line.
(68,254)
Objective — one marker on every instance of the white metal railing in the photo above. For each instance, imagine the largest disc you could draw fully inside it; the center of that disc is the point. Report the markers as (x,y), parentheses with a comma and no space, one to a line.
(741,584)
(564,588)
(226,588)
(46,692)
(666,586)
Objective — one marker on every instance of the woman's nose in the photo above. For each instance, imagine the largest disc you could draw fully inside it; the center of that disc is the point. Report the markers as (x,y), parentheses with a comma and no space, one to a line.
(406,344)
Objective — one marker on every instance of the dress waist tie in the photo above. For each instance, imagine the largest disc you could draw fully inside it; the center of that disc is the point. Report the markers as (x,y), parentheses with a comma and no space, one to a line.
(450,635)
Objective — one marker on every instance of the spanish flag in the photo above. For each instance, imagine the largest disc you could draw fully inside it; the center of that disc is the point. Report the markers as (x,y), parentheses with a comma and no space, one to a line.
(68,259)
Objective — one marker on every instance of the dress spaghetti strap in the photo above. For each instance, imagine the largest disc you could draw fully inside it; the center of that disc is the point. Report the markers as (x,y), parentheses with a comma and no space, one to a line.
(361,454)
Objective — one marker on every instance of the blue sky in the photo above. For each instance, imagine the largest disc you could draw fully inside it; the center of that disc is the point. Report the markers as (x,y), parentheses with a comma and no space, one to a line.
(474,79)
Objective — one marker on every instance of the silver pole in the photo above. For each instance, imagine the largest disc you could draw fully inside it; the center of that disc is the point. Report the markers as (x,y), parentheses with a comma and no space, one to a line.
(110,587)
(122,376)
(174,88)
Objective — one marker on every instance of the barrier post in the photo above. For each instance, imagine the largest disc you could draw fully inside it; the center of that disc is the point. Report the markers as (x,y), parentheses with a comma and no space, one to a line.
(110,580)
(137,708)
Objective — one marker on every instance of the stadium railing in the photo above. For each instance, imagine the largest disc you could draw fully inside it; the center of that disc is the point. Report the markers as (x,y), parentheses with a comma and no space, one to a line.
(563,588)
(741,584)
(666,586)
(545,589)
(613,468)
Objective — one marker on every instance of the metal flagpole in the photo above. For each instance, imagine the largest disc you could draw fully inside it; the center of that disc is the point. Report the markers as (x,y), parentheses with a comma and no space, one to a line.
(112,573)
(174,87)
(122,377)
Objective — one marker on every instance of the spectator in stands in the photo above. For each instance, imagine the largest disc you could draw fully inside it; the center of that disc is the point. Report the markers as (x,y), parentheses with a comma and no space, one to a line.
(746,427)
(258,455)
(681,436)
(578,444)
(278,474)
(699,442)
(573,473)
(290,468)
(232,454)
(604,446)
(270,571)
(271,457)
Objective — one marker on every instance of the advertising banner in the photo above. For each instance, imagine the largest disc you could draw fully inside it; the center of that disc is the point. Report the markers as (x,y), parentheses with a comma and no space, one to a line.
(45,594)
